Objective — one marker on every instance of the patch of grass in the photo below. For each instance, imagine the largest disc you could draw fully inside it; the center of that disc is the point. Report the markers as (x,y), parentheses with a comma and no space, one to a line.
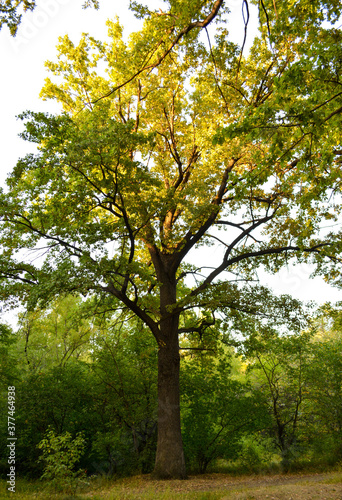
(235,468)
(24,488)
(336,478)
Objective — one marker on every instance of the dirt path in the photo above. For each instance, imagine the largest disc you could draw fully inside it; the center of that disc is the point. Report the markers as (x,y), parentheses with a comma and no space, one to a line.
(223,487)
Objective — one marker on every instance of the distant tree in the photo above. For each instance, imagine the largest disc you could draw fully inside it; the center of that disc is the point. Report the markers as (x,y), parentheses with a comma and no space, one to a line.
(54,335)
(9,376)
(76,374)
(183,143)
(124,363)
(61,398)
(324,382)
(218,407)
(8,364)
(277,369)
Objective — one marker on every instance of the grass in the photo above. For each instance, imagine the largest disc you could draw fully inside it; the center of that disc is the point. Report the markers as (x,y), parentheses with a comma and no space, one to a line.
(207,487)
(335,478)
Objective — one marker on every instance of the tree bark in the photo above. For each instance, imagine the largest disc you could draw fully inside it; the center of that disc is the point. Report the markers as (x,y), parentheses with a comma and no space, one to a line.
(170,462)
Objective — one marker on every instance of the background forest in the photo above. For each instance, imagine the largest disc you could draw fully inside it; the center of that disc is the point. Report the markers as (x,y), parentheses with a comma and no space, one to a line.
(266,402)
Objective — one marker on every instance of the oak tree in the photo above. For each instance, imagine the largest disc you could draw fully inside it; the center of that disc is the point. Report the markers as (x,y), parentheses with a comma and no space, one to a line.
(165,144)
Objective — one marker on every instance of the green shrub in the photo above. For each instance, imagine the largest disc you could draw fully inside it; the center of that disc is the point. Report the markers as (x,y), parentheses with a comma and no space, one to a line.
(60,455)
(257,453)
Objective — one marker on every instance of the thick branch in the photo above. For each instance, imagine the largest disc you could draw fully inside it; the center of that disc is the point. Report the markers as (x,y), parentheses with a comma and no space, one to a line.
(43,234)
(133,306)
(260,253)
(190,238)
(13,275)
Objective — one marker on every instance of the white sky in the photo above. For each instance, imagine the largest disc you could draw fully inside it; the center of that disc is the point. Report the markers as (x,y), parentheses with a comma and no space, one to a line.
(22,76)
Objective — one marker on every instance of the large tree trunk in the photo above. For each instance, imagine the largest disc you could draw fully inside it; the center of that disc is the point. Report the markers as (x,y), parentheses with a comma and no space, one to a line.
(170,461)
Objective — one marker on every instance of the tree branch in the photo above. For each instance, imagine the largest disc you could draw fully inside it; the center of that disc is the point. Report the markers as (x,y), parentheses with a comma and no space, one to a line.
(181,34)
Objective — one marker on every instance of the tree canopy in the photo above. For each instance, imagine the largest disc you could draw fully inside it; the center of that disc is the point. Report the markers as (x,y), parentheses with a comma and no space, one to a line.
(170,142)
(11,12)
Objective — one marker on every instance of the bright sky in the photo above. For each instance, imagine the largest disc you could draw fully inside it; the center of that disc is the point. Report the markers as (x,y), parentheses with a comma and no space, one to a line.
(22,75)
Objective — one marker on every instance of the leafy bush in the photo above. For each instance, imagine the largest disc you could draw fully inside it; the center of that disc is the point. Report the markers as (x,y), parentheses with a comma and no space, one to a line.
(61,454)
(257,453)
